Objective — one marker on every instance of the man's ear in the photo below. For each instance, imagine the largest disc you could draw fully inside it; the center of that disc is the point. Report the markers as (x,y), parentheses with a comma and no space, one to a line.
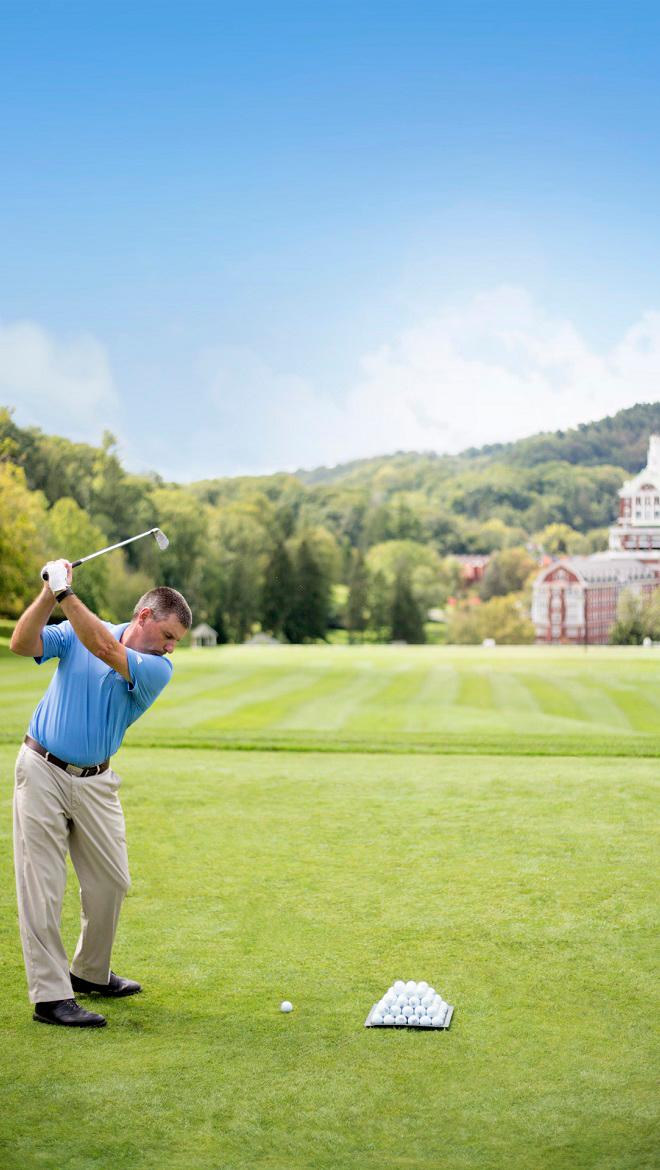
(144,614)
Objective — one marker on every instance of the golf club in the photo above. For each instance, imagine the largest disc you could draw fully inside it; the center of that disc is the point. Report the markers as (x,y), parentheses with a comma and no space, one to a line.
(159,537)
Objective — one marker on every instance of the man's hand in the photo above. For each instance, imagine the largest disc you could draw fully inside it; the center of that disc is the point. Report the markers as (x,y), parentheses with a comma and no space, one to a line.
(58,574)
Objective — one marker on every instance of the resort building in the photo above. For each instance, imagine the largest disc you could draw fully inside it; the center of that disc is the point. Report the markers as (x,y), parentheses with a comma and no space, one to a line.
(575,599)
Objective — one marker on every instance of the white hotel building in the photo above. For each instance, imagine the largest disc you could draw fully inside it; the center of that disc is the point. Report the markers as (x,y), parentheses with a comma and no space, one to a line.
(575,599)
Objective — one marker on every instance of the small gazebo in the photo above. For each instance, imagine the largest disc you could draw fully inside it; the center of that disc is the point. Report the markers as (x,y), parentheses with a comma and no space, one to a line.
(203,635)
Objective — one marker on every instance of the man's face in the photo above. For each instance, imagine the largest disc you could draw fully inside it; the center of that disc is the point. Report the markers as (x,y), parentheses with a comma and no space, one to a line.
(156,637)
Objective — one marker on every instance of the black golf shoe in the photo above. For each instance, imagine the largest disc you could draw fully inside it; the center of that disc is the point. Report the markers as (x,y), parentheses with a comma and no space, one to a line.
(115,987)
(67,1013)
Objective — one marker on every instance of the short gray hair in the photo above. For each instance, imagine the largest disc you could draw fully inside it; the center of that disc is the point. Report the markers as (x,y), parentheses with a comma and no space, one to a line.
(163,601)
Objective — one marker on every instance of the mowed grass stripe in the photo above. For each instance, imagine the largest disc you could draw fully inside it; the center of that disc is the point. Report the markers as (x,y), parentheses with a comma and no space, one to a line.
(253,706)
(436,696)
(637,706)
(475,690)
(510,695)
(273,705)
(553,698)
(387,709)
(331,709)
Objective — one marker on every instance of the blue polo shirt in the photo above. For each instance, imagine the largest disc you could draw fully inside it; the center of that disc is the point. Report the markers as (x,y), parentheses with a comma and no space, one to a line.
(84,713)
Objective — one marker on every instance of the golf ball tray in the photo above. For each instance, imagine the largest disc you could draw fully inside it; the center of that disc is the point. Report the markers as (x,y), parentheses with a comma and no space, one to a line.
(411,1005)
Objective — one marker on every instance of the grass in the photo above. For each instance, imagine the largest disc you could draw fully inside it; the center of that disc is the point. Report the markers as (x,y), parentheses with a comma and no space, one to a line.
(521,885)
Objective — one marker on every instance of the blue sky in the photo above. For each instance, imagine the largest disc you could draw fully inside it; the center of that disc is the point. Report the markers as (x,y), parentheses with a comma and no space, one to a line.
(256,237)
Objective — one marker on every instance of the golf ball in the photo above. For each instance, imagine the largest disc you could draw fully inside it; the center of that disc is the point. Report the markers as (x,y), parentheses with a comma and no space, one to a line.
(391,996)
(422,987)
(425,1021)
(377,1018)
(414,1001)
(285,1006)
(399,986)
(427,999)
(411,987)
(438,1021)
(406,1010)
(400,1020)
(388,1019)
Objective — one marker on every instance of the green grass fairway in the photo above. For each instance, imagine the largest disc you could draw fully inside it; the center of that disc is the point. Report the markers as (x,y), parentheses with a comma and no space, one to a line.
(508,700)
(521,885)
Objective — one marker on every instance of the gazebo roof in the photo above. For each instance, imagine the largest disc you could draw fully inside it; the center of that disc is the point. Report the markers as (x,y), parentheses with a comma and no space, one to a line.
(203,630)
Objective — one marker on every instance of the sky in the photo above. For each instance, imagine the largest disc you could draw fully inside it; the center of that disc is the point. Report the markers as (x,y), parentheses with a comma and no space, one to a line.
(260,237)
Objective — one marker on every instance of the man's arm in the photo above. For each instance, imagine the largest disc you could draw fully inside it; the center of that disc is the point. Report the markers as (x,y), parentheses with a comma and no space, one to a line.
(96,637)
(26,638)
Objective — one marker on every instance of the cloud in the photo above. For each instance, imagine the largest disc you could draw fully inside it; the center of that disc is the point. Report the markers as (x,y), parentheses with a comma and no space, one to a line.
(500,368)
(64,386)
(495,369)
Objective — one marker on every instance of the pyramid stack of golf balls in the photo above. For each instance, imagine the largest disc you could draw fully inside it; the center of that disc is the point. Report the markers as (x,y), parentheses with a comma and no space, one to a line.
(410,1004)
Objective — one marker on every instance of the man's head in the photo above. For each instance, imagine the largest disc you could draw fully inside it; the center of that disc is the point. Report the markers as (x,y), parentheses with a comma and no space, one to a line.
(160,619)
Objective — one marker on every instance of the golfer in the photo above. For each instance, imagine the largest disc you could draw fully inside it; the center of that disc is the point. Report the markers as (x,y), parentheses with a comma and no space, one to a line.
(66,791)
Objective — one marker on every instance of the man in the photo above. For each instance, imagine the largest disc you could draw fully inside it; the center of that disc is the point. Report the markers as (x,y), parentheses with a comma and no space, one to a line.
(66,791)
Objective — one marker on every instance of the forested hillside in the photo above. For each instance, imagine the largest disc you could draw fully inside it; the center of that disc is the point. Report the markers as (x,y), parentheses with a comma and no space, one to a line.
(368,546)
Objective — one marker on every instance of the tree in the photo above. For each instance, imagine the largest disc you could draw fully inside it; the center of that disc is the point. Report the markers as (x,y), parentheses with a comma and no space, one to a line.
(23,540)
(358,597)
(502,618)
(278,590)
(73,535)
(629,627)
(506,572)
(406,622)
(308,617)
(380,603)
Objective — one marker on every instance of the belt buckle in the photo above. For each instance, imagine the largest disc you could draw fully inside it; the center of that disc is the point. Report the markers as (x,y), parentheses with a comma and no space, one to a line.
(74,770)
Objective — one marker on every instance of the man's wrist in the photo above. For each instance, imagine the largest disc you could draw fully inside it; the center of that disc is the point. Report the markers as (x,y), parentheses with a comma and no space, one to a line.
(64,593)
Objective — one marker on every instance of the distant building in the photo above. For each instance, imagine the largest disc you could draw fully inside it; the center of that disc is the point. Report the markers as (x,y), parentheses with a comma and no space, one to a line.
(575,599)
(203,635)
(637,530)
(473,567)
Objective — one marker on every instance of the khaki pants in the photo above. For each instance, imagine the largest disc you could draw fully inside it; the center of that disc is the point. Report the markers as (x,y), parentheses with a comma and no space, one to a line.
(53,812)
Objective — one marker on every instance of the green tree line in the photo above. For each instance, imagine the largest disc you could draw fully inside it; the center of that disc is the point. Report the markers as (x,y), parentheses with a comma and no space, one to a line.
(368,548)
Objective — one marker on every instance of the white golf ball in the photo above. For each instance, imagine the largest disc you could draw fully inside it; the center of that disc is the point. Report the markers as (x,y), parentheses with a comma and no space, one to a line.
(425,1021)
(427,999)
(411,987)
(406,1010)
(401,999)
(413,1021)
(400,1020)
(399,986)
(388,1019)
(391,996)
(431,991)
(414,1001)
(377,1018)
(285,1006)
(422,987)
(438,1021)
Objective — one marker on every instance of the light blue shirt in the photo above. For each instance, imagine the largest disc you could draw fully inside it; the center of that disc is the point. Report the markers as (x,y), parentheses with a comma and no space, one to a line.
(84,713)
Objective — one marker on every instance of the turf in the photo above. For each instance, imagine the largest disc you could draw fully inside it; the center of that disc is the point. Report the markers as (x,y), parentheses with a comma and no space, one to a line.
(520,885)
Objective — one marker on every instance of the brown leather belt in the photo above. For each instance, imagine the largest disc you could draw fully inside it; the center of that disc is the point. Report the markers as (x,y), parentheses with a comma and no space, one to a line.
(72,769)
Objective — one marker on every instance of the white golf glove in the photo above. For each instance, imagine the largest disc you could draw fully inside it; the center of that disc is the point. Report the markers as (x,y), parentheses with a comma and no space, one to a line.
(58,575)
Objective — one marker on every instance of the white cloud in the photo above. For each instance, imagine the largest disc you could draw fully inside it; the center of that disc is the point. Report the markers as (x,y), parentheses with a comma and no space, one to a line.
(64,386)
(498,368)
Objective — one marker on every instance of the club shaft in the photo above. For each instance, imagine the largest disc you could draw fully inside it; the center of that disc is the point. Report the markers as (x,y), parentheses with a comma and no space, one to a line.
(111,548)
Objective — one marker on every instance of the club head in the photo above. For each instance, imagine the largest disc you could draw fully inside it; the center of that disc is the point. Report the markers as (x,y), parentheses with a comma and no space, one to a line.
(160,538)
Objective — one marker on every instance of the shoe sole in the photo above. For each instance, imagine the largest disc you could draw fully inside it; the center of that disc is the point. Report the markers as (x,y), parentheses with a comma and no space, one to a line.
(108,994)
(59,1024)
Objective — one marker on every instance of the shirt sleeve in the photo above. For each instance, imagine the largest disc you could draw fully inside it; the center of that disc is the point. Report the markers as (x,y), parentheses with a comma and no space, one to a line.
(150,673)
(56,641)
